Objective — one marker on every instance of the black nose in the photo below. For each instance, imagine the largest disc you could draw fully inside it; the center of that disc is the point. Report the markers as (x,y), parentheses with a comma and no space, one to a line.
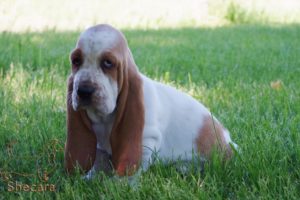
(85,92)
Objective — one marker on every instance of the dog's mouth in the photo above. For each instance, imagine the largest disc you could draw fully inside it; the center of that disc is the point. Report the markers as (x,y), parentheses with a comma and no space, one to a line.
(84,96)
(86,102)
(94,102)
(83,89)
(88,96)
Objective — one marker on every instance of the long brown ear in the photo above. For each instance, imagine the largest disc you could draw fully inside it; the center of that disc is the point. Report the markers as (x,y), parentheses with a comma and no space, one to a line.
(80,148)
(126,135)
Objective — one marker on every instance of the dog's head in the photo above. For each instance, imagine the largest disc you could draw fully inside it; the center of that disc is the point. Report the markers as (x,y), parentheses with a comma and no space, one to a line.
(98,63)
(105,80)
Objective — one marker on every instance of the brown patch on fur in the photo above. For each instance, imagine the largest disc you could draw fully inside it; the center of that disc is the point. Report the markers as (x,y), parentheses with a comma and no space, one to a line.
(126,136)
(113,72)
(80,147)
(211,137)
(76,55)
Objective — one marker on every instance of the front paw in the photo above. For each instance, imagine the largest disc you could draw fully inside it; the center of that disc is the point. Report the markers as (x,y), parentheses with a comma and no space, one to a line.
(89,175)
(132,181)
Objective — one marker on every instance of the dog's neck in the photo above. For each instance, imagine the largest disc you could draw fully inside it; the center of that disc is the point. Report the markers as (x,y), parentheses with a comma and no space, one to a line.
(102,126)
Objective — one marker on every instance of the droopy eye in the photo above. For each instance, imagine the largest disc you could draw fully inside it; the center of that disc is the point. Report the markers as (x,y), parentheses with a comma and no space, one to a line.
(106,63)
(76,62)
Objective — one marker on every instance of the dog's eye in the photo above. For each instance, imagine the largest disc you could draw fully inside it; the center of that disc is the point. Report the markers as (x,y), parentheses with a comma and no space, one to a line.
(76,62)
(107,64)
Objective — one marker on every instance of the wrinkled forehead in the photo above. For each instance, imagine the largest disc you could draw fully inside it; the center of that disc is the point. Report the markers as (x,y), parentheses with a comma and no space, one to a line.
(98,39)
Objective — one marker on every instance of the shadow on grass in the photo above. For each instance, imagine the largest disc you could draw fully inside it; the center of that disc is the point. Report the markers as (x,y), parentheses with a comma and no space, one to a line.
(243,52)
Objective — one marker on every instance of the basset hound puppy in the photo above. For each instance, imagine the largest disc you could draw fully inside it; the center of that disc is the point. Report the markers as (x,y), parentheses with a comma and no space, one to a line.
(116,114)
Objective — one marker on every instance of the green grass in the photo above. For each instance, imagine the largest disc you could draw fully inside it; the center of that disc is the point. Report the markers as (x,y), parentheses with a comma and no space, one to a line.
(229,69)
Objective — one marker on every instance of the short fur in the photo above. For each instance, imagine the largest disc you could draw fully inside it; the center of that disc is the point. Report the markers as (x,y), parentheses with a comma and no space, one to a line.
(125,136)
(80,148)
(130,117)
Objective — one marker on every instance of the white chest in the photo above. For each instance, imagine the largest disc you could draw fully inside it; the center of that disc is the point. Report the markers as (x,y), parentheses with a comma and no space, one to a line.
(102,127)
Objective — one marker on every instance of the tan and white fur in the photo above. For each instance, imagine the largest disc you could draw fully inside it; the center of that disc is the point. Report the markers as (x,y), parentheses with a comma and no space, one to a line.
(115,109)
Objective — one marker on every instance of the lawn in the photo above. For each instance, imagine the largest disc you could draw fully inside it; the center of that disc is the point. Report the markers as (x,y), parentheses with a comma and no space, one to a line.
(248,75)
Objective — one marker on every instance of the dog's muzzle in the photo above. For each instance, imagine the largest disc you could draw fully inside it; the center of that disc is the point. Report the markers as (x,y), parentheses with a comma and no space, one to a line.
(85,92)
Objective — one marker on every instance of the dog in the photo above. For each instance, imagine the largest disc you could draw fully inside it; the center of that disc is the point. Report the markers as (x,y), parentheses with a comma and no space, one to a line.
(117,115)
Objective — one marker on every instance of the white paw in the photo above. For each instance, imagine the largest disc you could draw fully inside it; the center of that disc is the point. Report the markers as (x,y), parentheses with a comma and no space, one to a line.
(235,147)
(90,174)
(132,181)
